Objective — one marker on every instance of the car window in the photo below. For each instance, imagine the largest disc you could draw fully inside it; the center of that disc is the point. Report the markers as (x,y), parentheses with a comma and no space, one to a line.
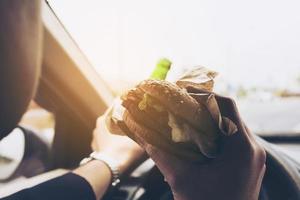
(254,46)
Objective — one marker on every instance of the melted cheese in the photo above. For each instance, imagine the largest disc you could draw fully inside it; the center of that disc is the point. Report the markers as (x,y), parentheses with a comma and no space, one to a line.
(179,131)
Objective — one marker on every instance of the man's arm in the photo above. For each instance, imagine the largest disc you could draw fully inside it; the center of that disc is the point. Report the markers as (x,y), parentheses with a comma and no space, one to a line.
(97,174)
(88,182)
(69,186)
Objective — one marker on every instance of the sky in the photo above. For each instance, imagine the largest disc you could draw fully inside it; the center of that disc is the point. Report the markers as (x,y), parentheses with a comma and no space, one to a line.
(250,43)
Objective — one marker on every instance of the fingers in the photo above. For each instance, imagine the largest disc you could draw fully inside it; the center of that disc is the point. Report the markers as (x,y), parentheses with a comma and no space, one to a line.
(143,136)
(99,121)
(94,143)
(172,168)
(164,161)
(227,105)
(207,143)
(250,134)
(243,138)
(229,109)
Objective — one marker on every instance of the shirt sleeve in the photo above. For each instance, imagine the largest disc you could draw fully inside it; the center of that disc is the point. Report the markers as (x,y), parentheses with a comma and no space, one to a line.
(66,187)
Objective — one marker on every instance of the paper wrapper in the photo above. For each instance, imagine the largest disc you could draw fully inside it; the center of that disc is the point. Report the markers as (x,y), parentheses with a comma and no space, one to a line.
(113,118)
(201,80)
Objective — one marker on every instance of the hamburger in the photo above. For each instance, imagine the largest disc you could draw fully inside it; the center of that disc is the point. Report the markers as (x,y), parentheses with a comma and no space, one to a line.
(167,116)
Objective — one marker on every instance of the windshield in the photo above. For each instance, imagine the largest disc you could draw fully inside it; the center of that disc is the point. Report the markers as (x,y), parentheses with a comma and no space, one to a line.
(254,45)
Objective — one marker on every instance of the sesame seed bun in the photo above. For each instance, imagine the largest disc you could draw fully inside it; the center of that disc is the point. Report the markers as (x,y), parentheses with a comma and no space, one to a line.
(180,103)
(185,151)
(199,127)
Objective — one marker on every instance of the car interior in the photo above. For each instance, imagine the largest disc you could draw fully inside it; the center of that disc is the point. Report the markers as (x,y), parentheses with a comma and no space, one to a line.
(68,86)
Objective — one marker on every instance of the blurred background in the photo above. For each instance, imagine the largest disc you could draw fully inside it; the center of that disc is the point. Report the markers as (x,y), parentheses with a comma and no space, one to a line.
(254,45)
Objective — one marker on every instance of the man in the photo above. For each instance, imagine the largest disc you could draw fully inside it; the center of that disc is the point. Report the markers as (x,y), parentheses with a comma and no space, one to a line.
(236,175)
(20,60)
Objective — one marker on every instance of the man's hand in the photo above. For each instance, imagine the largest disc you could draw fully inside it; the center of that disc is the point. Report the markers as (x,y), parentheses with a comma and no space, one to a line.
(121,148)
(236,174)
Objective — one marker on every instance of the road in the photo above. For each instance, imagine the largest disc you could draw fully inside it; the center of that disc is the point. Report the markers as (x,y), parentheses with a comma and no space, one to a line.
(278,115)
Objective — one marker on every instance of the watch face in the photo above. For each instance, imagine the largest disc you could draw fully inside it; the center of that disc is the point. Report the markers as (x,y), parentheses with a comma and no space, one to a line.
(12,149)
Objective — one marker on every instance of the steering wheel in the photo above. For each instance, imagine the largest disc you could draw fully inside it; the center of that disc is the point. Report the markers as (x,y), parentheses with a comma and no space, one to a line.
(145,182)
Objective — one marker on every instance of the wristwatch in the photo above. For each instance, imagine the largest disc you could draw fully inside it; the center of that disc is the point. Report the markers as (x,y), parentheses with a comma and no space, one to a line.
(109,162)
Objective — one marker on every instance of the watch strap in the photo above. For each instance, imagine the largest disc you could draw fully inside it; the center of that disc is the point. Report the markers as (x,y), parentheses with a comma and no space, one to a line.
(109,162)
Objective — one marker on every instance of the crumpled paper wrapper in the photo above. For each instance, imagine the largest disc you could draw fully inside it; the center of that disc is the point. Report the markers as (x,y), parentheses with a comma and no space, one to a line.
(201,80)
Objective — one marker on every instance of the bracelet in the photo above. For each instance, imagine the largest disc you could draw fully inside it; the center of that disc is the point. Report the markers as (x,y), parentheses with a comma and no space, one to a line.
(109,162)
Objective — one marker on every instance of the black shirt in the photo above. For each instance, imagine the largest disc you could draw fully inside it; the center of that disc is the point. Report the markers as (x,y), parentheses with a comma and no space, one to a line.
(69,186)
